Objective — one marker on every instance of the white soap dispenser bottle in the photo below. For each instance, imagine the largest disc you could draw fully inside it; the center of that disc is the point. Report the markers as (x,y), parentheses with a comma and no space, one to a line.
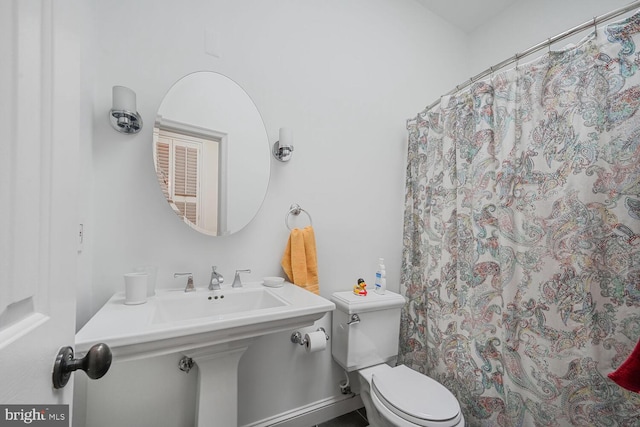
(381,279)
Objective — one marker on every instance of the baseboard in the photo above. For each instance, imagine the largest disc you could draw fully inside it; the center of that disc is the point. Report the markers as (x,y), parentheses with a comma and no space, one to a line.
(312,414)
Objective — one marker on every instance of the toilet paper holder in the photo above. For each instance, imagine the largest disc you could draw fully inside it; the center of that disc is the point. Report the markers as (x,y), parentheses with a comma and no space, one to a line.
(298,338)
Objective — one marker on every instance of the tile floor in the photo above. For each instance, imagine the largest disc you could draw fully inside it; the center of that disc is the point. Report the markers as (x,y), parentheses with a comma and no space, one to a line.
(357,418)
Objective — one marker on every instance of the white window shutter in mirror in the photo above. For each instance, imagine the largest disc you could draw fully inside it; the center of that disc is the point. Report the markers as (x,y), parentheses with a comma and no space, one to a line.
(177,164)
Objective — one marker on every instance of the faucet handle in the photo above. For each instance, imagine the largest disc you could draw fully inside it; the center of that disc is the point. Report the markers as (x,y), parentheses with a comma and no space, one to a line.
(216,279)
(237,282)
(189,287)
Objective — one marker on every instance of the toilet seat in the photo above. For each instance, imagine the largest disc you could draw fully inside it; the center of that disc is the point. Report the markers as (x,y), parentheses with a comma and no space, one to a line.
(408,398)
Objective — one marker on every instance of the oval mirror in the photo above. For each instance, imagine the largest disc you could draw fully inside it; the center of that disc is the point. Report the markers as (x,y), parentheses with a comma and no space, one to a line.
(211,153)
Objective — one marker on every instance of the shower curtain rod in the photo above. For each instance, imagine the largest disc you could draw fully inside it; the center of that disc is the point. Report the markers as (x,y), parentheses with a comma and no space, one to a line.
(515,58)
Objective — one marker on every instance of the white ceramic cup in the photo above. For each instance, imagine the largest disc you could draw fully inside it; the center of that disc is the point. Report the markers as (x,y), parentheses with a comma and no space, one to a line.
(135,288)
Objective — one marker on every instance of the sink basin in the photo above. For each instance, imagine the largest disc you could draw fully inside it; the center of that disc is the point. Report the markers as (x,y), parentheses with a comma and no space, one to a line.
(178,307)
(175,321)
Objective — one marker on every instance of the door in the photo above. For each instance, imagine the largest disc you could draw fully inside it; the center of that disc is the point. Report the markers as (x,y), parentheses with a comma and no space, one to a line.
(39,136)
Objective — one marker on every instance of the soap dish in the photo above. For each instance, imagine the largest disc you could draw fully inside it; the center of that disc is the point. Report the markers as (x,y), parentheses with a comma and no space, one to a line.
(273,282)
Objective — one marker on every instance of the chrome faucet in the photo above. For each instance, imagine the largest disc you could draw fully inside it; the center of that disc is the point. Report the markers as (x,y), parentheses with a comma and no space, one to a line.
(189,287)
(216,279)
(237,283)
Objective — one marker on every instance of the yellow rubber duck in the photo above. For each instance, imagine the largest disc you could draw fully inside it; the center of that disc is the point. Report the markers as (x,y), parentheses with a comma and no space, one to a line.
(361,288)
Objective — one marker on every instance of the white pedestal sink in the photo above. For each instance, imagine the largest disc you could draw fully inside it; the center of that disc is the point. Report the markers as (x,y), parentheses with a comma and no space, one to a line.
(214,328)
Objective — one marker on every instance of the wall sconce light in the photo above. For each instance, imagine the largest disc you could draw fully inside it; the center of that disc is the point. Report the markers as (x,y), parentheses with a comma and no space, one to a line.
(124,116)
(283,148)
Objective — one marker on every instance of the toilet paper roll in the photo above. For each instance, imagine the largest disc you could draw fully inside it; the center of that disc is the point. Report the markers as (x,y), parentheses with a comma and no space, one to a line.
(315,341)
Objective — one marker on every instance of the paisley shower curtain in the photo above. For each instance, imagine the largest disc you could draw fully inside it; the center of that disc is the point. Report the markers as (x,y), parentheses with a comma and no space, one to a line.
(521,259)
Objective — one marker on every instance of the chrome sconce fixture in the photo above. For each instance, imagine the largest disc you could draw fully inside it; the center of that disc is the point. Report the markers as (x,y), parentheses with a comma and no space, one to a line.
(283,148)
(124,116)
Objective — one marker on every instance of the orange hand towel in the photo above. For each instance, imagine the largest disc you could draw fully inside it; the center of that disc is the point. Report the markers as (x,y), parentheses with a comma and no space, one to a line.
(299,261)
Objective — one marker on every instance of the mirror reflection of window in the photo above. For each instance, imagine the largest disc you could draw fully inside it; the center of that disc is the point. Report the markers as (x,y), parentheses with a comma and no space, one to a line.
(211,106)
(192,190)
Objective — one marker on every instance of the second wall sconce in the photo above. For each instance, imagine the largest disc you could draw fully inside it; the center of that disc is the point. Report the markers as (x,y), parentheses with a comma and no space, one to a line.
(124,116)
(283,148)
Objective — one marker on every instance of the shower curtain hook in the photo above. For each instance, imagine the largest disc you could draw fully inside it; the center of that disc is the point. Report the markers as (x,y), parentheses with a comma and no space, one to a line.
(595,27)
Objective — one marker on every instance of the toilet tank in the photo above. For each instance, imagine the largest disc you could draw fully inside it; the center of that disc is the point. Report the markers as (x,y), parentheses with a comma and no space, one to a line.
(372,340)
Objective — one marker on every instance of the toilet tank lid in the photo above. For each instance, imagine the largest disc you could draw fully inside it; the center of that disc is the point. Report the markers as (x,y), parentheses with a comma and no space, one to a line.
(350,303)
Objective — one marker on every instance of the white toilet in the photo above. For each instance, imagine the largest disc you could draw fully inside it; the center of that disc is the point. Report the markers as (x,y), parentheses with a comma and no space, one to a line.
(365,338)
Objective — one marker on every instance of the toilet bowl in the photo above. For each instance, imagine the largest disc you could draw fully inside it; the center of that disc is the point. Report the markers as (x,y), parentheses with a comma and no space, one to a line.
(402,397)
(365,340)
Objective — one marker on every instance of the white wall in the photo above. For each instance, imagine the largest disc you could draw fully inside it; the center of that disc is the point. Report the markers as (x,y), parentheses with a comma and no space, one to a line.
(344,75)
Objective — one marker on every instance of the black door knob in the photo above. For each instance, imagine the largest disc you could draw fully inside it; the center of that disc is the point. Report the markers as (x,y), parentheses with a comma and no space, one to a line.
(95,364)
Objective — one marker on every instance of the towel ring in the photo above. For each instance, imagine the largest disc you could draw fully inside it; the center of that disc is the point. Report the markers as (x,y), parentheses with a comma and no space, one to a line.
(295,209)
